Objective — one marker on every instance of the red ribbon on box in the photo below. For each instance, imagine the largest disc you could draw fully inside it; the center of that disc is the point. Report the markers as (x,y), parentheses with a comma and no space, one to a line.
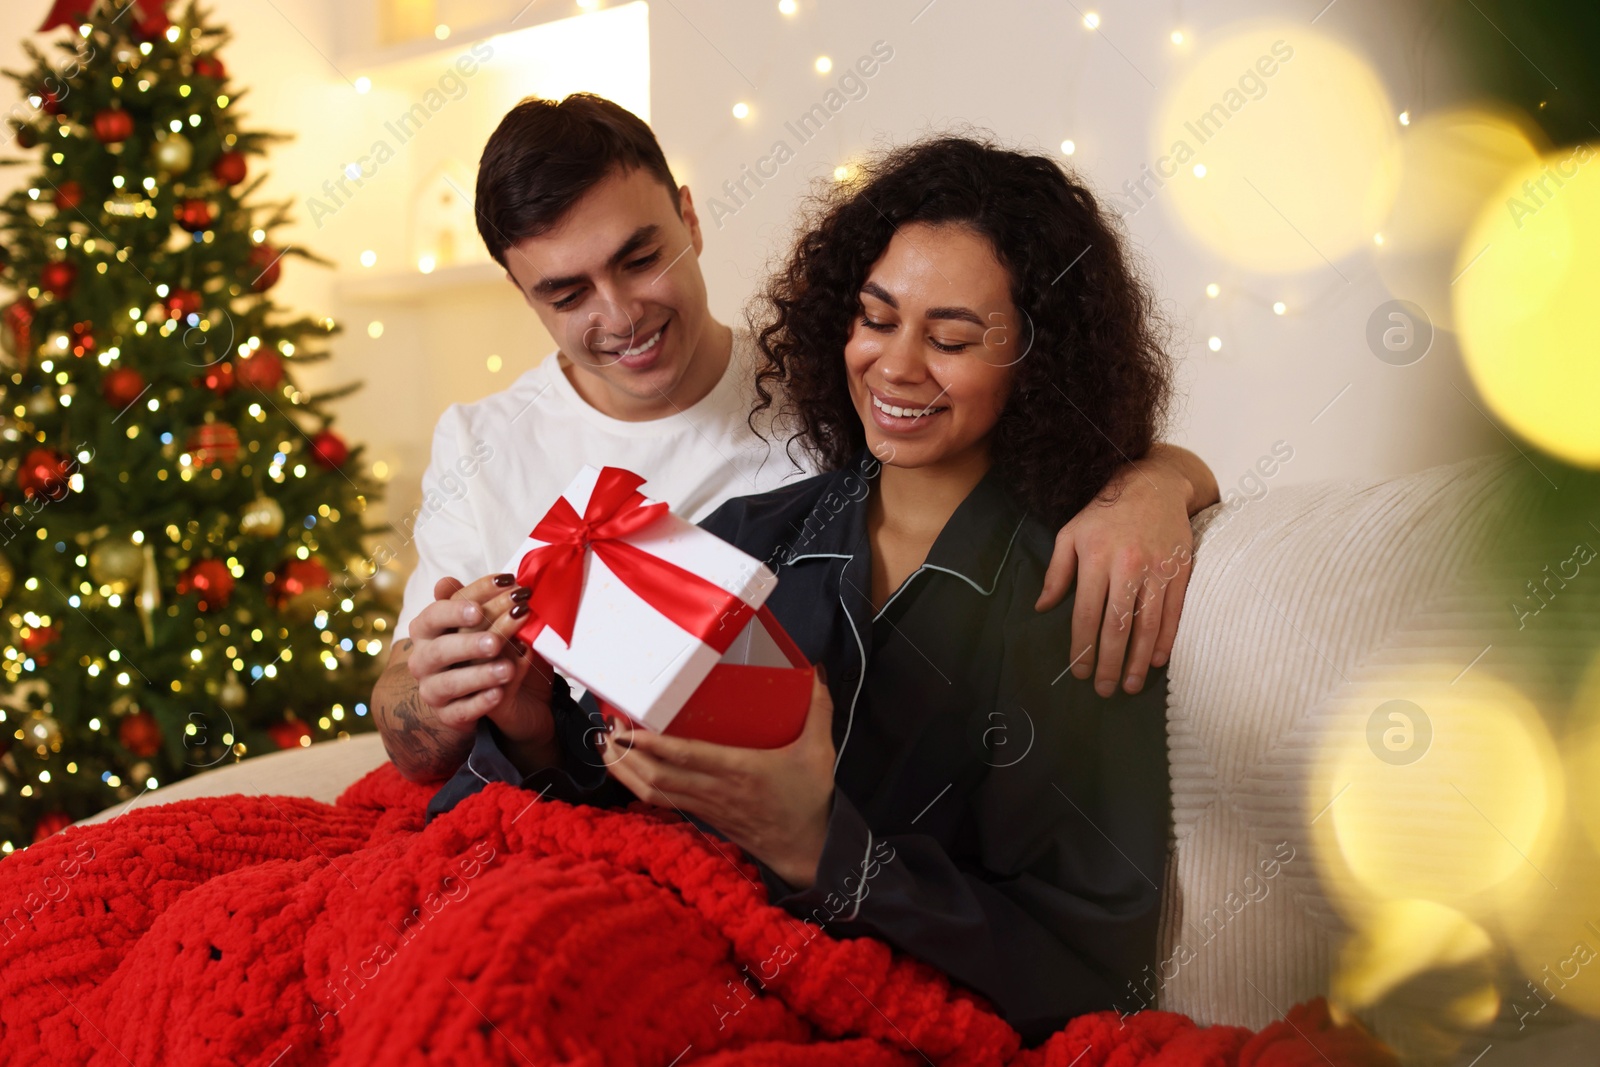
(616,509)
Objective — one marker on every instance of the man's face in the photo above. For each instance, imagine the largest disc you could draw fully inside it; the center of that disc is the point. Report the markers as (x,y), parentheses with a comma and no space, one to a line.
(617,283)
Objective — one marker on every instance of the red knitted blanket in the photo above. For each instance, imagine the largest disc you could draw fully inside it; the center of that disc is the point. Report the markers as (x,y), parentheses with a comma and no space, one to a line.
(282,931)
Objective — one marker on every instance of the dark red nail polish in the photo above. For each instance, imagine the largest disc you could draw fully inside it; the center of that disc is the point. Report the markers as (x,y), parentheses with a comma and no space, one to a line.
(503,580)
(518,611)
(519,646)
(521,593)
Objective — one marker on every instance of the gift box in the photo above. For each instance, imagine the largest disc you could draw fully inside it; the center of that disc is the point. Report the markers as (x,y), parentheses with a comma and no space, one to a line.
(662,621)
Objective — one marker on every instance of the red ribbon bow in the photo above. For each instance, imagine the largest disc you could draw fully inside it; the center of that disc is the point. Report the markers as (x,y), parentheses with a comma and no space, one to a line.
(554,572)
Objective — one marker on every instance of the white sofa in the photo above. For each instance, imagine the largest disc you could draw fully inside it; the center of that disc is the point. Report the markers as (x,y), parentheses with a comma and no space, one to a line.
(1295,596)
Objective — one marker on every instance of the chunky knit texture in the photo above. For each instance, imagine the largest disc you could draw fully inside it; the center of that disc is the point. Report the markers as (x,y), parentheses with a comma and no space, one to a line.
(283,931)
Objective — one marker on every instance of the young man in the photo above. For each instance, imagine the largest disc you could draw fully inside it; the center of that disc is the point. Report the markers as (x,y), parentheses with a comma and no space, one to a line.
(576,202)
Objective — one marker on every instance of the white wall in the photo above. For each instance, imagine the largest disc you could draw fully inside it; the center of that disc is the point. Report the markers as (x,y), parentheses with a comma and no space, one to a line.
(1028,71)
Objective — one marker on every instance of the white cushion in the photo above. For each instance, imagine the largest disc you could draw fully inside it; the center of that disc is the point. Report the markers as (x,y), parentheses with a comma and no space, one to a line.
(320,772)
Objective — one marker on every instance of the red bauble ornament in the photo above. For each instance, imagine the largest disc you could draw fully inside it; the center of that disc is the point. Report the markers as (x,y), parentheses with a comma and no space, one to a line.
(57,277)
(139,734)
(209,66)
(294,577)
(329,450)
(19,327)
(51,822)
(37,639)
(265,267)
(122,387)
(261,369)
(75,12)
(213,442)
(68,196)
(218,377)
(49,102)
(229,169)
(83,338)
(289,734)
(152,24)
(194,215)
(211,579)
(113,125)
(44,473)
(181,303)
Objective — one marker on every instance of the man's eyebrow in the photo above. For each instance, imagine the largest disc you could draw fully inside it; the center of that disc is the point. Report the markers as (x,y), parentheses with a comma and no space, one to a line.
(642,236)
(958,313)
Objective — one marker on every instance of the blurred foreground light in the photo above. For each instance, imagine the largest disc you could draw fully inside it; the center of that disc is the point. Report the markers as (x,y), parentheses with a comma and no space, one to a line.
(1434,785)
(1298,144)
(363,84)
(1526,278)
(1399,940)
(1452,162)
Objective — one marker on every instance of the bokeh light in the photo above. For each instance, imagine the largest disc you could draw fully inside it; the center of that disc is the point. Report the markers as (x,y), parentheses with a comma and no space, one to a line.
(1456,801)
(1524,303)
(1452,162)
(1400,939)
(1298,145)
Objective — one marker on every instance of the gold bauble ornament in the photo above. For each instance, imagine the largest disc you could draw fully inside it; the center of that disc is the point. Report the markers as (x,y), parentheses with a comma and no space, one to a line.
(389,586)
(117,564)
(262,517)
(140,772)
(174,153)
(149,598)
(42,732)
(8,577)
(125,204)
(303,607)
(232,694)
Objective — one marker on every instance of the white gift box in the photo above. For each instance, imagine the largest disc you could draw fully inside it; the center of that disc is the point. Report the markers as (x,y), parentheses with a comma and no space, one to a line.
(623,648)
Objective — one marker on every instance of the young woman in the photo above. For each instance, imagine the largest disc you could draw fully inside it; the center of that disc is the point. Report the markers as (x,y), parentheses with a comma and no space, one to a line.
(959,340)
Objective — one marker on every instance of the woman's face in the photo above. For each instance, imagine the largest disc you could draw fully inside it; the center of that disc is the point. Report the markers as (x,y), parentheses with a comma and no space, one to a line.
(933,351)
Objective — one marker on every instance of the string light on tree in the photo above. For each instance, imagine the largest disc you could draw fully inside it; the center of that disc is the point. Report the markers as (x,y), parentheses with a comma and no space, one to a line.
(154,419)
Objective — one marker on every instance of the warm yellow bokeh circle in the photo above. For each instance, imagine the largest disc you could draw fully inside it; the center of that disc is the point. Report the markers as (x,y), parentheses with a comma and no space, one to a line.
(1452,162)
(1475,813)
(1526,307)
(1298,144)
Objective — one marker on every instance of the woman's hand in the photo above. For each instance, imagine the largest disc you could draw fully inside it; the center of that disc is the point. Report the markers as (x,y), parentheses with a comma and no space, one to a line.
(523,711)
(774,803)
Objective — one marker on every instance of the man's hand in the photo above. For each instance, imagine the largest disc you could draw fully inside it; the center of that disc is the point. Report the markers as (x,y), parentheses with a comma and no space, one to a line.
(458,664)
(1131,552)
(773,803)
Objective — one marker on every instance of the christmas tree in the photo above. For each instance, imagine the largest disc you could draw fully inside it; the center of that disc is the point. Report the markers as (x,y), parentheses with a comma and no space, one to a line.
(182,576)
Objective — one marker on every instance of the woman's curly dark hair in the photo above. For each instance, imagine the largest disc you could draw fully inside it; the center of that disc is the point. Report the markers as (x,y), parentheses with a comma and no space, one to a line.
(1092,391)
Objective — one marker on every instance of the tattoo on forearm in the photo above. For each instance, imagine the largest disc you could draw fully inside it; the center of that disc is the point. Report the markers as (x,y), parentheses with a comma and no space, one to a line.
(418,745)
